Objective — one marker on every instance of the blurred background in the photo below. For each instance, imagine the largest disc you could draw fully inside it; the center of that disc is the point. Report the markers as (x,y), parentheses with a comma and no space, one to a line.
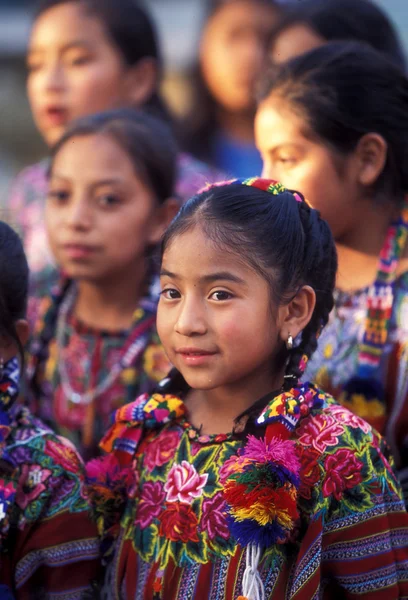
(178,23)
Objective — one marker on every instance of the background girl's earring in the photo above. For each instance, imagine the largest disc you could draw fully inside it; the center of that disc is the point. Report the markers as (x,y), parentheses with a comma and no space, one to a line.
(1,367)
(289,342)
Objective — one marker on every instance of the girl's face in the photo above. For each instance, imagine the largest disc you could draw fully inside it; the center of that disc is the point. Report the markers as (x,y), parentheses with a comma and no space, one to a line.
(73,69)
(232,52)
(327,180)
(293,41)
(215,318)
(100,215)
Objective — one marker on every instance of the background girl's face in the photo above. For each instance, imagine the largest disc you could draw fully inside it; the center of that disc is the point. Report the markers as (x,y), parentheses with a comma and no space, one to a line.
(293,41)
(301,162)
(73,69)
(100,215)
(212,307)
(232,52)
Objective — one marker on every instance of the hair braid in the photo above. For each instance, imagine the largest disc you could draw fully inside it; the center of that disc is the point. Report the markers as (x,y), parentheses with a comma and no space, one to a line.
(319,268)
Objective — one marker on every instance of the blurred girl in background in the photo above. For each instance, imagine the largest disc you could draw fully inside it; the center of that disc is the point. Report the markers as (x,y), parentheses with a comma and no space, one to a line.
(334,124)
(220,128)
(111,180)
(86,56)
(312,23)
(48,543)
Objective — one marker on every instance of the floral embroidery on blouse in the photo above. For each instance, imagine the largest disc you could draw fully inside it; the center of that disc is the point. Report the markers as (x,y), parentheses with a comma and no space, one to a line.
(175,520)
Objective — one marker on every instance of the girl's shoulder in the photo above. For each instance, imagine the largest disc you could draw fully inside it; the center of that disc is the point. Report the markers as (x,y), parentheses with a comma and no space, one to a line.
(346,467)
(147,412)
(29,186)
(42,474)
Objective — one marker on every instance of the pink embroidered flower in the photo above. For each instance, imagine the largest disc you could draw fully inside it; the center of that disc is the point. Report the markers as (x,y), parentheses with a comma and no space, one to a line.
(161,450)
(348,418)
(31,484)
(179,523)
(184,483)
(150,505)
(213,519)
(320,431)
(343,472)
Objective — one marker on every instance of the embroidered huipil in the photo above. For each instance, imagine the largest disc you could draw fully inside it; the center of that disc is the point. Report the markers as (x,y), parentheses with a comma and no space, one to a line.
(85,357)
(48,543)
(161,507)
(336,361)
(362,357)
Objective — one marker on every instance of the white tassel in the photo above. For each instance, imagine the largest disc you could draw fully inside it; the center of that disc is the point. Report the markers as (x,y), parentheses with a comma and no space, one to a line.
(252,586)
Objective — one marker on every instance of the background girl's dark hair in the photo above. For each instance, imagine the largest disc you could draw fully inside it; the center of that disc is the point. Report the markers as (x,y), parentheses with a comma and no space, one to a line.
(147,141)
(346,20)
(132,32)
(282,239)
(200,124)
(13,284)
(344,90)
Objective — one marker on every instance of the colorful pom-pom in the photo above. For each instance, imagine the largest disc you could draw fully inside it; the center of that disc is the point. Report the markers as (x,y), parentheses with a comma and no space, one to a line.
(261,491)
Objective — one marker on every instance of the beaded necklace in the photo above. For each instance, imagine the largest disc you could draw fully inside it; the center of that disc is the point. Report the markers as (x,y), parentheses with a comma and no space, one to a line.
(53,324)
(380,300)
(131,351)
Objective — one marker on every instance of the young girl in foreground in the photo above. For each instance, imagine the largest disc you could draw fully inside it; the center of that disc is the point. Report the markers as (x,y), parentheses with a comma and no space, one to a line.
(48,543)
(246,482)
(95,346)
(320,130)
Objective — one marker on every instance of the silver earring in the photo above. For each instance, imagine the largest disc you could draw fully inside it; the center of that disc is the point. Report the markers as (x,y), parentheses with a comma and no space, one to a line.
(289,342)
(1,367)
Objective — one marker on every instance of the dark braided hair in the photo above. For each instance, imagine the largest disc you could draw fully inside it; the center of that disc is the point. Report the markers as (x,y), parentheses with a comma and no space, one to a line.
(13,284)
(280,237)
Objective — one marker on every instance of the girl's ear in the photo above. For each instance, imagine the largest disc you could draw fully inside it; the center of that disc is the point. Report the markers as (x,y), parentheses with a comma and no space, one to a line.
(294,316)
(163,217)
(371,156)
(141,81)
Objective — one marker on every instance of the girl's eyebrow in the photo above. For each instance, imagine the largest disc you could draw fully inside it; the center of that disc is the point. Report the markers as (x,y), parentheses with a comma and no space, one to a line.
(69,46)
(210,278)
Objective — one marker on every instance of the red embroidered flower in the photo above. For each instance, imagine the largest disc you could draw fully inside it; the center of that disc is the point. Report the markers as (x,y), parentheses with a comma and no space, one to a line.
(179,523)
(161,450)
(320,432)
(309,472)
(150,504)
(184,483)
(64,454)
(213,519)
(343,472)
(31,484)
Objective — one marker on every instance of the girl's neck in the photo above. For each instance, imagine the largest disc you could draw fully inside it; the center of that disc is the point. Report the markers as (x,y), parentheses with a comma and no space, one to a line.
(359,250)
(109,304)
(214,411)
(238,126)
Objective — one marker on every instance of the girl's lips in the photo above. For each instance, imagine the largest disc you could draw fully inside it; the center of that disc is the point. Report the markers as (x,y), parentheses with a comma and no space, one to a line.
(78,251)
(54,116)
(195,357)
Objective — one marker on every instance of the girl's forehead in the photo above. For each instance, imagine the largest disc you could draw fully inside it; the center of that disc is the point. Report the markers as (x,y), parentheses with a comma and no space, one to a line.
(194,253)
(64,24)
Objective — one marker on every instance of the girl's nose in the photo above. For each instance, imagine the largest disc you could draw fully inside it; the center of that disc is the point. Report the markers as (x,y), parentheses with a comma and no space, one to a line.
(191,318)
(53,77)
(79,215)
